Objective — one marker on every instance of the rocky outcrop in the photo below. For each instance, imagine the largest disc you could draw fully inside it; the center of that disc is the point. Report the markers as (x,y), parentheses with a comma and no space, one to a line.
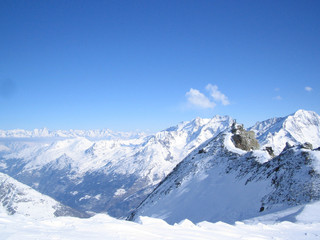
(270,151)
(243,139)
(307,145)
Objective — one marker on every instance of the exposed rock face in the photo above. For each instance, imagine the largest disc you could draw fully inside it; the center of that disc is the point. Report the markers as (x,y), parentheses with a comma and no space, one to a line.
(307,145)
(288,146)
(243,139)
(270,151)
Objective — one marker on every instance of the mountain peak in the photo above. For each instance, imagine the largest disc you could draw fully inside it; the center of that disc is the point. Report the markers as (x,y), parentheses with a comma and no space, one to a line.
(304,112)
(223,183)
(297,128)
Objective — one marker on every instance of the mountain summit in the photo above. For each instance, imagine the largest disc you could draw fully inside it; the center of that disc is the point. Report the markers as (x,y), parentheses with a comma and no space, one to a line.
(300,127)
(220,182)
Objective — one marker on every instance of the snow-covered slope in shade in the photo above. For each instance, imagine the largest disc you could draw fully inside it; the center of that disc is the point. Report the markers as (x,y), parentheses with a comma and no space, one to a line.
(218,182)
(300,127)
(105,175)
(17,198)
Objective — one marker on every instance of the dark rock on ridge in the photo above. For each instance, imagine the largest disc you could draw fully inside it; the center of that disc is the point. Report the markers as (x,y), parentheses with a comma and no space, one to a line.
(243,139)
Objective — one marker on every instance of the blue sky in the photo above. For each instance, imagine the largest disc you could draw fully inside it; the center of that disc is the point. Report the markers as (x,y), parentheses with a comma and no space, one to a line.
(147,65)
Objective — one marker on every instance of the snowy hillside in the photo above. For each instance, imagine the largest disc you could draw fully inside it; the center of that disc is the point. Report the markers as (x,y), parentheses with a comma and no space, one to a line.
(104,175)
(218,182)
(17,198)
(104,227)
(300,127)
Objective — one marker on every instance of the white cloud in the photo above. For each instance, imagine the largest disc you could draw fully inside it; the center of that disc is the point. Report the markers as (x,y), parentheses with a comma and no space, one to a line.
(308,89)
(217,95)
(277,98)
(277,89)
(196,98)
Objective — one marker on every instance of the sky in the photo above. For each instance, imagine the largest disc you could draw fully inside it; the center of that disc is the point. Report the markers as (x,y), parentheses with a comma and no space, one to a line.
(147,65)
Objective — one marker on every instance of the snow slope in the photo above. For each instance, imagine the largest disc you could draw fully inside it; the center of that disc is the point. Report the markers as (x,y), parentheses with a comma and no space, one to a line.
(17,198)
(218,182)
(104,227)
(104,175)
(305,213)
(300,127)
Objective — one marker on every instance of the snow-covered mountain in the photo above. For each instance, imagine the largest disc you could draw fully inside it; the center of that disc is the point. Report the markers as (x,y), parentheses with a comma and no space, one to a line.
(106,171)
(17,198)
(219,182)
(91,134)
(104,175)
(300,127)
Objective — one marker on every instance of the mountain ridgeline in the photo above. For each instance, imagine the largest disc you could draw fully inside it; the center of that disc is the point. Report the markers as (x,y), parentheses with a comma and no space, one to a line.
(17,198)
(219,182)
(205,169)
(111,176)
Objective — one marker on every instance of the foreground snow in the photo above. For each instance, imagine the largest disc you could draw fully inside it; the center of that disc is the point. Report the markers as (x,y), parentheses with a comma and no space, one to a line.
(302,222)
(104,227)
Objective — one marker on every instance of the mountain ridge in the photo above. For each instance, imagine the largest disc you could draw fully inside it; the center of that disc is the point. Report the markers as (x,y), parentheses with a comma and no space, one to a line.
(116,175)
(223,183)
(296,128)
(17,198)
(105,175)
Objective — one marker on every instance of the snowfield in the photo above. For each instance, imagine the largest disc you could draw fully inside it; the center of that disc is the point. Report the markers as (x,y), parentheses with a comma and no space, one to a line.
(105,227)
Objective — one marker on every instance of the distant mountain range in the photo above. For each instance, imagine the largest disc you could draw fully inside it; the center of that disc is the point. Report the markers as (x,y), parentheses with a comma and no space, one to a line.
(111,176)
(103,171)
(92,134)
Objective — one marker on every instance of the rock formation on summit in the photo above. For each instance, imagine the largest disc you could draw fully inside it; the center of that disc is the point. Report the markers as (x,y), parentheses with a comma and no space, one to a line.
(243,139)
